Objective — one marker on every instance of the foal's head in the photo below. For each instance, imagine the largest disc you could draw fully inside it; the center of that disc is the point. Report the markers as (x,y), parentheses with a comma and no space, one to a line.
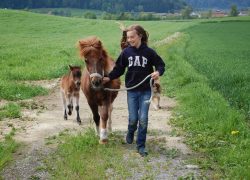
(95,56)
(75,74)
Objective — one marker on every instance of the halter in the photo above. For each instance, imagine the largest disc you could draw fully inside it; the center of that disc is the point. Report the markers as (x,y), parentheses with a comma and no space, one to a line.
(96,75)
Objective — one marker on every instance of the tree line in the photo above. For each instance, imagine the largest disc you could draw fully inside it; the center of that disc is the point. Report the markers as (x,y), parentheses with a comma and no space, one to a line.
(222,4)
(112,6)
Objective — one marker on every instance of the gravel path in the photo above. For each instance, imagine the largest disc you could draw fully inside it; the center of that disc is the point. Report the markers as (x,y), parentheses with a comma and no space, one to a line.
(168,158)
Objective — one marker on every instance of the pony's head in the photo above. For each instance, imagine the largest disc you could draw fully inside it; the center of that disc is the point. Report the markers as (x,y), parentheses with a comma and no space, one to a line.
(76,74)
(95,56)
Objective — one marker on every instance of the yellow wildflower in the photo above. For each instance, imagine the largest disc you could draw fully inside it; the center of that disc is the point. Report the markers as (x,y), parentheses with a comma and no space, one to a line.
(234,132)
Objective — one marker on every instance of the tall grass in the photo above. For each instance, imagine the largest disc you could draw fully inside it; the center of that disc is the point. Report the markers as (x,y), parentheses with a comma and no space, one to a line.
(212,127)
(7,147)
(10,110)
(220,51)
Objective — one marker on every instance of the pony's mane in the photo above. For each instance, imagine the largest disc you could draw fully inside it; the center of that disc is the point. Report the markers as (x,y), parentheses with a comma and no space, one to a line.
(91,44)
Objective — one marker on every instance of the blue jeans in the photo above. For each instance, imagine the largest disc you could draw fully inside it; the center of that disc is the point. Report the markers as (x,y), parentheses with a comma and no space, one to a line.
(138,112)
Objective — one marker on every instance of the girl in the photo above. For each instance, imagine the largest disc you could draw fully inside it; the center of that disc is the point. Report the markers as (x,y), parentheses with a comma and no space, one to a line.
(139,60)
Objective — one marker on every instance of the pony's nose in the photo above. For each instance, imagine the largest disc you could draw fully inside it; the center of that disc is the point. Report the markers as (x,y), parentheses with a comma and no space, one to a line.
(97,82)
(78,83)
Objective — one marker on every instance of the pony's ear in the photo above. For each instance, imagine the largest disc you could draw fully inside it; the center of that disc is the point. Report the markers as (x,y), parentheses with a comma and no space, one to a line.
(121,26)
(78,46)
(70,67)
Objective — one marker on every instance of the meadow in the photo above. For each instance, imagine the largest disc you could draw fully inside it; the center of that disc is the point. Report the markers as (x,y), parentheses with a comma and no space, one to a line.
(220,51)
(73,12)
(37,47)
(211,89)
(209,75)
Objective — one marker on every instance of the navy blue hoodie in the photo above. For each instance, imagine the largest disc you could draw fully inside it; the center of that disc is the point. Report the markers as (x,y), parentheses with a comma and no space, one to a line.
(140,63)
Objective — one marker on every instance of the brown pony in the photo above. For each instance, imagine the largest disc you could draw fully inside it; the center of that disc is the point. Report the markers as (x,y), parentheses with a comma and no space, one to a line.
(70,87)
(98,64)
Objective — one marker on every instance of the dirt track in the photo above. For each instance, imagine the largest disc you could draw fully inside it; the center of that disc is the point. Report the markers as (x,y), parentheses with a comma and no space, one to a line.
(45,119)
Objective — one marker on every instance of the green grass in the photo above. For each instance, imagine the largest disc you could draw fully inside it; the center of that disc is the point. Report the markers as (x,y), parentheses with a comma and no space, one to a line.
(206,117)
(82,157)
(220,51)
(12,90)
(10,110)
(35,46)
(74,12)
(7,147)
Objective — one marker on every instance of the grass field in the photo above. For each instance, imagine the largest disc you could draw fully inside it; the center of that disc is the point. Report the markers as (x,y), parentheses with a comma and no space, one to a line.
(35,46)
(73,11)
(213,127)
(201,74)
(220,51)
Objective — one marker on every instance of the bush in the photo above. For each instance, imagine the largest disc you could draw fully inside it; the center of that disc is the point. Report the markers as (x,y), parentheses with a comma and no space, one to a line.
(89,15)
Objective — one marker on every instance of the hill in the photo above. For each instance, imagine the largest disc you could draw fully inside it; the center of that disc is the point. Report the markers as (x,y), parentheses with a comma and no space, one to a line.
(217,4)
(108,5)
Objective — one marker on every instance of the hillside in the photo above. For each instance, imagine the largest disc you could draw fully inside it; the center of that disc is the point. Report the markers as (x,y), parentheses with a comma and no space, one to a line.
(217,4)
(114,6)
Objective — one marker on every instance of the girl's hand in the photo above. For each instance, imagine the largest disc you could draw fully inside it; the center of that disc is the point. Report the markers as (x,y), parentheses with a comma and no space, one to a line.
(105,80)
(155,75)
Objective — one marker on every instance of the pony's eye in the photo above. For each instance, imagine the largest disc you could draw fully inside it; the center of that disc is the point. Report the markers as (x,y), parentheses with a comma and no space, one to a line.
(86,60)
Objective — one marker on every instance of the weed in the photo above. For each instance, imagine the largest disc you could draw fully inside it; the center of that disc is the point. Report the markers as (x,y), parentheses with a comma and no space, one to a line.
(7,147)
(11,110)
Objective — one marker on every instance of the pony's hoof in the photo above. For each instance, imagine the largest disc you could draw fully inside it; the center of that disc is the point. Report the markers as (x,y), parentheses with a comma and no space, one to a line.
(65,118)
(69,113)
(103,141)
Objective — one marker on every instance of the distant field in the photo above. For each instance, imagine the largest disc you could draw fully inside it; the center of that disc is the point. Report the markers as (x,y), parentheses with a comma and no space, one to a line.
(35,46)
(73,11)
(221,52)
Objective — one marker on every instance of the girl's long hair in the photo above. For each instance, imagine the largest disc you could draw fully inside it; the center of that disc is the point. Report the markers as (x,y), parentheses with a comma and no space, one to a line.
(139,30)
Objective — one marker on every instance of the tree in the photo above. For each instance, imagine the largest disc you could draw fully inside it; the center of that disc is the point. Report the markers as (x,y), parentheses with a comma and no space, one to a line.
(111,6)
(185,13)
(89,15)
(207,14)
(234,11)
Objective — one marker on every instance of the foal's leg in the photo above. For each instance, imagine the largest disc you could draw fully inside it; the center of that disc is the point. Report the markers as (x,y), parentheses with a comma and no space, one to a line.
(77,108)
(64,105)
(104,118)
(69,102)
(159,102)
